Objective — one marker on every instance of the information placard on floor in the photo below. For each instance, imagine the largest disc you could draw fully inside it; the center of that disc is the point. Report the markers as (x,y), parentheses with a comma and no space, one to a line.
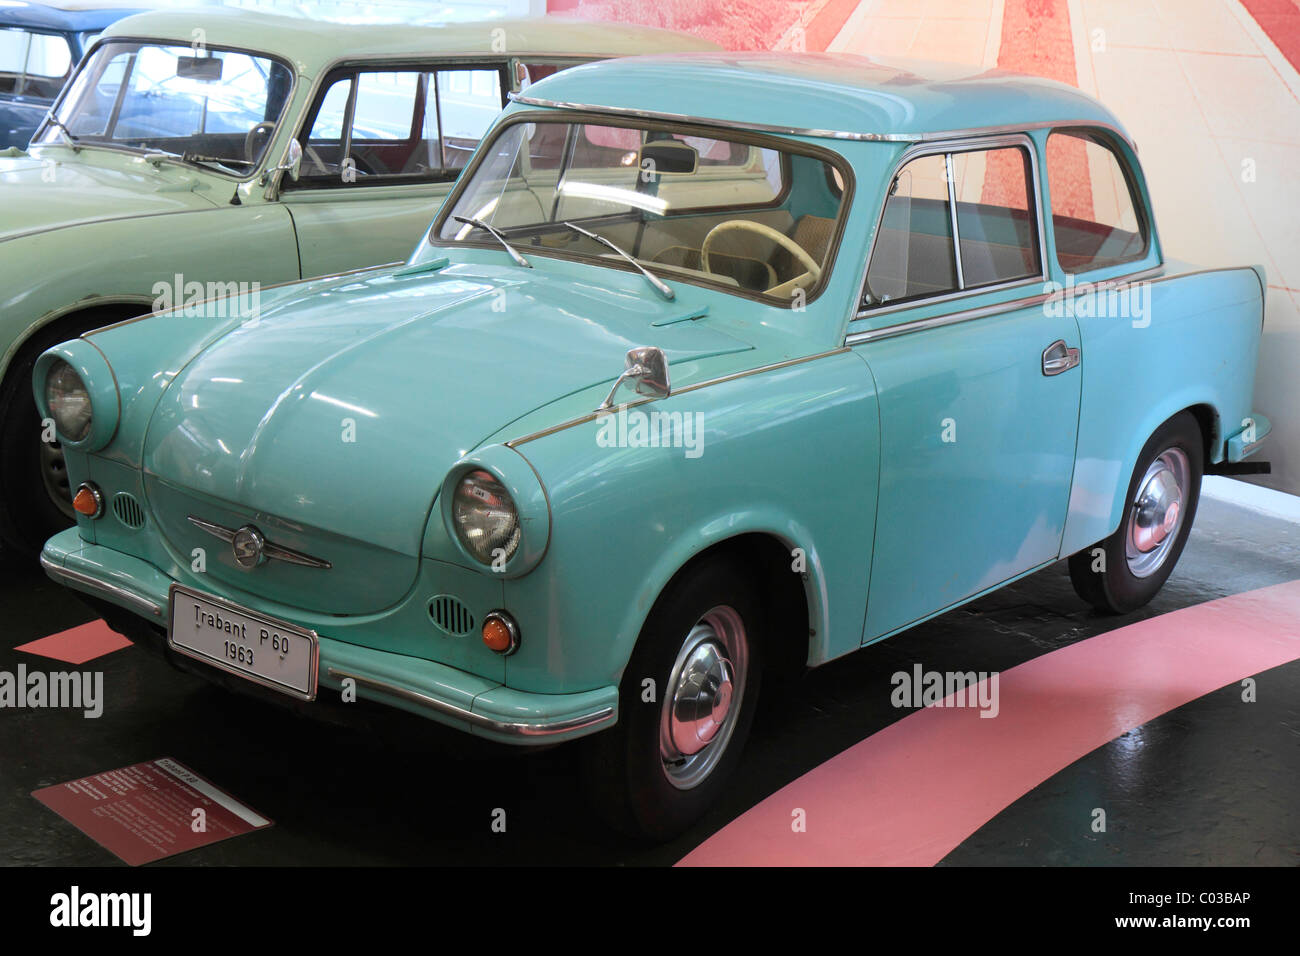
(150,810)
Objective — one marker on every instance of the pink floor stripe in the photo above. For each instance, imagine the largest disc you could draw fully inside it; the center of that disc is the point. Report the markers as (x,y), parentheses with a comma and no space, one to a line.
(908,795)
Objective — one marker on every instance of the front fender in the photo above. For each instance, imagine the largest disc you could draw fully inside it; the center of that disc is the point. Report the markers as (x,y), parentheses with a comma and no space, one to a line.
(791,452)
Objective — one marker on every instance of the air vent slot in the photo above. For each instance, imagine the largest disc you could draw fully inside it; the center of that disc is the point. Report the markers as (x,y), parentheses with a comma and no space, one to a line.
(450,615)
(128,510)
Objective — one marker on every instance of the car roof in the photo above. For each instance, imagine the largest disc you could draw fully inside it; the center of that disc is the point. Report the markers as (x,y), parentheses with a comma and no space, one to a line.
(68,16)
(831,94)
(311,43)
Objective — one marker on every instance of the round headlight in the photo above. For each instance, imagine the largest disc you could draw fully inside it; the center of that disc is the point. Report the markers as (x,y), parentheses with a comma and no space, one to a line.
(485,517)
(68,401)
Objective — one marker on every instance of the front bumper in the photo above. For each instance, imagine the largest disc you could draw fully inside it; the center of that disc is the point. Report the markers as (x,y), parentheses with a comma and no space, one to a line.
(427,688)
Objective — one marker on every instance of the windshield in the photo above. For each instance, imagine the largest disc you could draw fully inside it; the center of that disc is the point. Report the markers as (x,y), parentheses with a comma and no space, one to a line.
(33,64)
(214,107)
(757,217)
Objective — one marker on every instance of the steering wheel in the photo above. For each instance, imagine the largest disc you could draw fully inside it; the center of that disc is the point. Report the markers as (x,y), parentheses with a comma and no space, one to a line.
(251,152)
(801,281)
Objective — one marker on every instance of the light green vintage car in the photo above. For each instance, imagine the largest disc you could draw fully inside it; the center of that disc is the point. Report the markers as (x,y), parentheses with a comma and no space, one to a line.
(197,153)
(711,367)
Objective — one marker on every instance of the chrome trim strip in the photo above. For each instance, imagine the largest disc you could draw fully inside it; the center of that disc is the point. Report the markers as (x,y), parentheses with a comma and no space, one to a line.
(269,550)
(592,416)
(516,728)
(952,216)
(952,318)
(1010,305)
(819,133)
(114,592)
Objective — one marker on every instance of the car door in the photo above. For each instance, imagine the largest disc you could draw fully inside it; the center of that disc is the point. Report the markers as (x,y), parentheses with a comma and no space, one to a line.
(382,146)
(977,384)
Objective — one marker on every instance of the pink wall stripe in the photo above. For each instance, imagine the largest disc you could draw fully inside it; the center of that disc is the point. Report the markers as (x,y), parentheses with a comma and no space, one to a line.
(908,795)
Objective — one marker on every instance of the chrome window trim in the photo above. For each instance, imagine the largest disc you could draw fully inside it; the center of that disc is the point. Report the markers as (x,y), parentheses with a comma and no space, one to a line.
(1153,274)
(927,137)
(945,148)
(952,217)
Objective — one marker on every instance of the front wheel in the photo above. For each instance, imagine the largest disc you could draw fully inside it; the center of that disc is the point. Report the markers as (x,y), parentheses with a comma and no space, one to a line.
(687,701)
(1124,572)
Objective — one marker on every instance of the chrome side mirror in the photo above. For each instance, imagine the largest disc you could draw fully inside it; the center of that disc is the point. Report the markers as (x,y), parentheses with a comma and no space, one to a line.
(292,163)
(647,369)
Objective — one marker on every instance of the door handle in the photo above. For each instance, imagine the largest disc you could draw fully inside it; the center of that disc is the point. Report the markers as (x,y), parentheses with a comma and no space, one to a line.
(1059,357)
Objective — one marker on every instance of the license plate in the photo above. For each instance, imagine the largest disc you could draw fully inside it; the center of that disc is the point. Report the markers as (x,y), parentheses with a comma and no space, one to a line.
(262,649)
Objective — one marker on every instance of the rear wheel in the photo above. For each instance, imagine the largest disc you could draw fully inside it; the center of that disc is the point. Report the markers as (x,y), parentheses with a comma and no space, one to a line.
(686,704)
(1127,569)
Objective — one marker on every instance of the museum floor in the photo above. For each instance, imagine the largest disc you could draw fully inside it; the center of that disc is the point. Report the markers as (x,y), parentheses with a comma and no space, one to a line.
(1144,718)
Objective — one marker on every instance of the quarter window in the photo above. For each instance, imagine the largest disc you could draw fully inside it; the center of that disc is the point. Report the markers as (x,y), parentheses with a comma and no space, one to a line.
(1094,214)
(986,195)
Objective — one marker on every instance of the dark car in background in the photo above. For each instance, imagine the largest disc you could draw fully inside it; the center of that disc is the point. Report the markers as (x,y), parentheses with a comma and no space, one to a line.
(40,43)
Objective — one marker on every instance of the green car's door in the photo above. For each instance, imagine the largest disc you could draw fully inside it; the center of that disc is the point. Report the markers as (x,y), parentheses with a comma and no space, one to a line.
(382,146)
(977,383)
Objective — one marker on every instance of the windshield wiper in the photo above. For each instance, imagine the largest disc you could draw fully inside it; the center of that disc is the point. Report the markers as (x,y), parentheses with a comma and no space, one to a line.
(659,284)
(480,224)
(221,161)
(69,139)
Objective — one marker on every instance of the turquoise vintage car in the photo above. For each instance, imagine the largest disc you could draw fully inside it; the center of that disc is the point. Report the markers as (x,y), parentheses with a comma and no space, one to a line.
(197,153)
(710,367)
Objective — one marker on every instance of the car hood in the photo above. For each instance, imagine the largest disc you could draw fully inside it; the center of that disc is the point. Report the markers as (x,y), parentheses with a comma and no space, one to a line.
(39,192)
(342,406)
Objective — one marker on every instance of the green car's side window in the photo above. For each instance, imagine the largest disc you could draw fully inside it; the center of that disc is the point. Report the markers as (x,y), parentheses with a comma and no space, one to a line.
(372,126)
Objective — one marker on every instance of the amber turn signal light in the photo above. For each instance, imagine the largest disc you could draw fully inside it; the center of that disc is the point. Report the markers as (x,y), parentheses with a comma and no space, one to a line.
(88,501)
(501,633)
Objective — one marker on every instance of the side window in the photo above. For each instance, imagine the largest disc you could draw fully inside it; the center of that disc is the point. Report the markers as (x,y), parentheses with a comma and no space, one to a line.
(915,255)
(372,126)
(468,101)
(1095,216)
(997,220)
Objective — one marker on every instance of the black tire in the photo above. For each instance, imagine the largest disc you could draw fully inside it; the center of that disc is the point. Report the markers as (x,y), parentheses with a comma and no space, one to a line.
(624,768)
(1116,581)
(28,513)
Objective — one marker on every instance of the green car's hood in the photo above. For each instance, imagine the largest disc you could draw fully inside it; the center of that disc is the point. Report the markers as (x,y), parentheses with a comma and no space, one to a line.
(343,406)
(38,194)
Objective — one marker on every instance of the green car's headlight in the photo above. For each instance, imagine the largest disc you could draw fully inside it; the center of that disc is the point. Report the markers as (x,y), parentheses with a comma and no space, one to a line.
(68,400)
(485,518)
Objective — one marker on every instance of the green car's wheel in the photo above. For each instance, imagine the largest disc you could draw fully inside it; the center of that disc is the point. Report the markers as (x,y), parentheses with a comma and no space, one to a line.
(686,704)
(35,500)
(1135,561)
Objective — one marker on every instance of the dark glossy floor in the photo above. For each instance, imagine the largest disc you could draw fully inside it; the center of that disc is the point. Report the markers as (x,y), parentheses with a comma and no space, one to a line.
(1207,783)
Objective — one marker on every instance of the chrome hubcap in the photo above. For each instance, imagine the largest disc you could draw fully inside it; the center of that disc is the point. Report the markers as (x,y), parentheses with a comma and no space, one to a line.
(1156,514)
(703,697)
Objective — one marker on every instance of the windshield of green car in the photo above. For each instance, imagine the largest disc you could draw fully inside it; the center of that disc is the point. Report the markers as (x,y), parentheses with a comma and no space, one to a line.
(755,216)
(212,107)
(33,64)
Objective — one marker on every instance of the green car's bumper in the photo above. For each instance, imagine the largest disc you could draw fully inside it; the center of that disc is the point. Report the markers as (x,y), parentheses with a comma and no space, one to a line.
(474,704)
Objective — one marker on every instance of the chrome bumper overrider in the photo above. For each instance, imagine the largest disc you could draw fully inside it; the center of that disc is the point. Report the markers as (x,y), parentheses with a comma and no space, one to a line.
(482,707)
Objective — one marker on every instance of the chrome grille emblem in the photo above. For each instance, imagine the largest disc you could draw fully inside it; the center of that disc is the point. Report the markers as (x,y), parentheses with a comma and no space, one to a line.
(249,547)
